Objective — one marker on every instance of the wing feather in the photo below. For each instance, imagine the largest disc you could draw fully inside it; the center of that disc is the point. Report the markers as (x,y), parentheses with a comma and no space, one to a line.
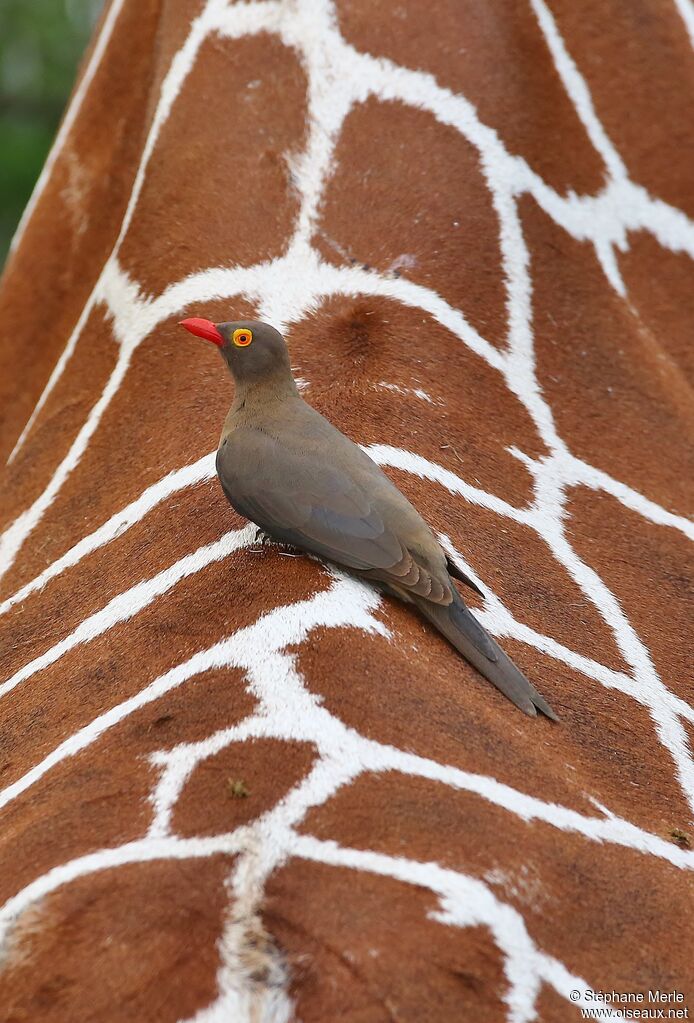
(320,508)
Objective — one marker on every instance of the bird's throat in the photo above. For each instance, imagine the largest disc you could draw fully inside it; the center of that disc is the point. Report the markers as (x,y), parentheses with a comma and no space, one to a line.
(257,397)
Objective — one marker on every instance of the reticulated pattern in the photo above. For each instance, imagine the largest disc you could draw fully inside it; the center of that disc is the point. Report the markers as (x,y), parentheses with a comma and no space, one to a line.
(266,651)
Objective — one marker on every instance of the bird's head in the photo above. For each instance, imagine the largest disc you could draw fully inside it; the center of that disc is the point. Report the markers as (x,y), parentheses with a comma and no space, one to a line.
(254,351)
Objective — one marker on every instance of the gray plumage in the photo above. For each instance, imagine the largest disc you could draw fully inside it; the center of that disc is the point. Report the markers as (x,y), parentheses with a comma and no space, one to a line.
(285,467)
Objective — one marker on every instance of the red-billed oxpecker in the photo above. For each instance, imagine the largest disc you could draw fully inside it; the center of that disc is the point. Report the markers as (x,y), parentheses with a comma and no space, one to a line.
(285,467)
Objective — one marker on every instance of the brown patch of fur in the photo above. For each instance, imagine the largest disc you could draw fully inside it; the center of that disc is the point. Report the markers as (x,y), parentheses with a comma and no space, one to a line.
(647,567)
(365,949)
(636,60)
(62,417)
(137,942)
(496,56)
(442,231)
(359,331)
(616,401)
(99,798)
(427,699)
(193,615)
(205,800)
(561,898)
(190,519)
(49,278)
(225,194)
(662,300)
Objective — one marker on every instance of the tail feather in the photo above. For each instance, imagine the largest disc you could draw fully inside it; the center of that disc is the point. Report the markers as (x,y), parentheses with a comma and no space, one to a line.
(462,629)
(457,573)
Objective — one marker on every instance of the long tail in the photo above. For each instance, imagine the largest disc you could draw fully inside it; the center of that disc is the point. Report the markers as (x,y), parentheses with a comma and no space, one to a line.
(466,634)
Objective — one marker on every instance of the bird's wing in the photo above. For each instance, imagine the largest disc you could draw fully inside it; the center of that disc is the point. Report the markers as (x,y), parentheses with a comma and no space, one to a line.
(317,506)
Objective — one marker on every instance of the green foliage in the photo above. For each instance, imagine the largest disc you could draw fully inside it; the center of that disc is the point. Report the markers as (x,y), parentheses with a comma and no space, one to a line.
(41,42)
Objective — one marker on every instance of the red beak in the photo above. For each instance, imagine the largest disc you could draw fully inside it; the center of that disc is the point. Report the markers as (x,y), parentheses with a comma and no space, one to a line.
(203,328)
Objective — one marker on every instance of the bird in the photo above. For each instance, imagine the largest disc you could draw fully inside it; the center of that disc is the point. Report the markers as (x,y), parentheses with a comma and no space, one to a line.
(285,467)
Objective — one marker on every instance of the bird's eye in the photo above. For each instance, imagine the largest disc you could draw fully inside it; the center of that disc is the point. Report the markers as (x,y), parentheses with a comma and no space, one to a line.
(242,337)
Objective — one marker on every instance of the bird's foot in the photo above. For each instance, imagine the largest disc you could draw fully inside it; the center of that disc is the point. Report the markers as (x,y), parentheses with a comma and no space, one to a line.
(262,539)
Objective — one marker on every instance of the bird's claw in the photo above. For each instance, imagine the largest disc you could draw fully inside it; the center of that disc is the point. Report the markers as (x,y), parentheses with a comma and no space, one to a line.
(285,549)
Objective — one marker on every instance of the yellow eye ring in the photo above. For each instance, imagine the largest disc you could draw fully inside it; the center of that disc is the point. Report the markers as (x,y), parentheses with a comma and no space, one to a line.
(242,337)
